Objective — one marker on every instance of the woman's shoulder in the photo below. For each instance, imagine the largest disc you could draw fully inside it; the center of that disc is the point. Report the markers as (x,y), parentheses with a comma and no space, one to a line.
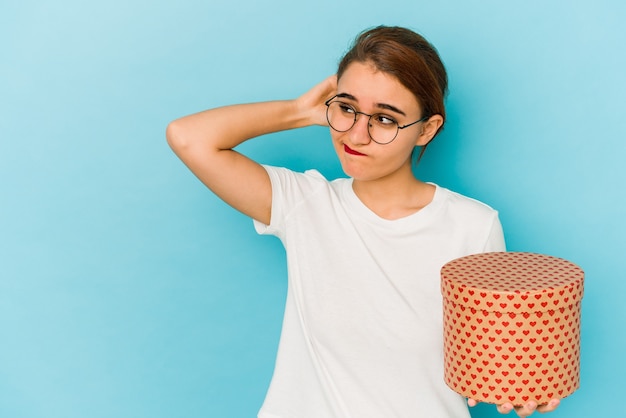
(464,204)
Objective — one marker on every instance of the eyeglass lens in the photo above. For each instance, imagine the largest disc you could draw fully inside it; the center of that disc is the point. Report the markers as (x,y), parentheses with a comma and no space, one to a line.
(342,117)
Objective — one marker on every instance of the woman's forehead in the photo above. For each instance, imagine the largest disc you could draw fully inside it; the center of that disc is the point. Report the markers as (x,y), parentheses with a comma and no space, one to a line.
(367,85)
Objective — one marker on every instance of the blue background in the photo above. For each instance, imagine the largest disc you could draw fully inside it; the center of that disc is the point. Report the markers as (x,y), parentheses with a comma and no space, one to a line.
(129,290)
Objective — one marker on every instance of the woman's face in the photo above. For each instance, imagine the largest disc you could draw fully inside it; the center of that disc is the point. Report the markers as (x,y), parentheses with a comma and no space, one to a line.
(370,91)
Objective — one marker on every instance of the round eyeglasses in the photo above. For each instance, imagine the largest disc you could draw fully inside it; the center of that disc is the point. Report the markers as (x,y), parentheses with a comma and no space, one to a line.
(382,128)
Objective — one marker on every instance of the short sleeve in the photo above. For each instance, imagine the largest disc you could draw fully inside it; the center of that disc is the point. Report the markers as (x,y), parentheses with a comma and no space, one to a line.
(495,240)
(289,189)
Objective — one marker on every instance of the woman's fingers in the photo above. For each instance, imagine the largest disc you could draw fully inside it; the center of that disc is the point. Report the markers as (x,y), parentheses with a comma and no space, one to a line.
(522,411)
(526,410)
(549,407)
(472,402)
(505,408)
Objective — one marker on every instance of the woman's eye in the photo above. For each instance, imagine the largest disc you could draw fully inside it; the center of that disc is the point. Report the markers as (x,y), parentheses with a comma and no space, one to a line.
(384,120)
(346,108)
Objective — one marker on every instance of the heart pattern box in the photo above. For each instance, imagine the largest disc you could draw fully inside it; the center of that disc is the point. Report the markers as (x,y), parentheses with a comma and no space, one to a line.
(512,327)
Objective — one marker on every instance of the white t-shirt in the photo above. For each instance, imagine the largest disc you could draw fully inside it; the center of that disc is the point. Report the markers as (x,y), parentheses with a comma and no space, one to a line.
(362,333)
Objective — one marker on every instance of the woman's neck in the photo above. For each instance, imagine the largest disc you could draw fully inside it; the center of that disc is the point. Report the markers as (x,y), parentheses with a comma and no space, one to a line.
(394,198)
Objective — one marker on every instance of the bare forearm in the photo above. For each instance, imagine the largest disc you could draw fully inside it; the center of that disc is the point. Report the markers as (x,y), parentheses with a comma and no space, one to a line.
(226,127)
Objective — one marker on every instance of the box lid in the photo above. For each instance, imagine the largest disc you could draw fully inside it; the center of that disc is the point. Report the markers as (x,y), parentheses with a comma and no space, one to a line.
(512,282)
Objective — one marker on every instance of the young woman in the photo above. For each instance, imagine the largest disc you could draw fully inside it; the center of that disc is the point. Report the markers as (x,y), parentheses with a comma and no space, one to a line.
(362,332)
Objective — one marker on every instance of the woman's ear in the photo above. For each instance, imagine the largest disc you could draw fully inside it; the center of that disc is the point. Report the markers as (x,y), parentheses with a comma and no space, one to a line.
(429,130)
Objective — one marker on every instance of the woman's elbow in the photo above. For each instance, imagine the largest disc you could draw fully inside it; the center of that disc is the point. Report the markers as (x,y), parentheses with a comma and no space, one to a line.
(174,135)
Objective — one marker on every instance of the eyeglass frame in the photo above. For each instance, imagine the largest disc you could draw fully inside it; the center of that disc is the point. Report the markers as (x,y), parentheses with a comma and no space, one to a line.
(356,112)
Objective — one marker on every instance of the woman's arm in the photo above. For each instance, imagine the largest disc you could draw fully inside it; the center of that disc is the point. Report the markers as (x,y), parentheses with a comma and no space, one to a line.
(204,142)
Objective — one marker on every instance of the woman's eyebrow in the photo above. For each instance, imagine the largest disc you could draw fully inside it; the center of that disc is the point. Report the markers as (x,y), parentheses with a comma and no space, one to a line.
(378,105)
(347,96)
(390,107)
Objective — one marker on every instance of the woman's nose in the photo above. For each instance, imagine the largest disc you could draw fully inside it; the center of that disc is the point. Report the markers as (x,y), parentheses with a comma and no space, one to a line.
(359,134)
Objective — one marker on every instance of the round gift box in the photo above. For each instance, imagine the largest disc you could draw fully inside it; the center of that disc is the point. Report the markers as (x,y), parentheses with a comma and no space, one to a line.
(512,327)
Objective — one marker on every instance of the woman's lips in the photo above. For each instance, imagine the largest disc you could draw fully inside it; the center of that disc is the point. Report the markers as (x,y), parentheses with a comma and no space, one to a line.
(349,150)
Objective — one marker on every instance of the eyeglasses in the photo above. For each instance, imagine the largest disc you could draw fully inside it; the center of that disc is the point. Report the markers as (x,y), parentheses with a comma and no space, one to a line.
(382,128)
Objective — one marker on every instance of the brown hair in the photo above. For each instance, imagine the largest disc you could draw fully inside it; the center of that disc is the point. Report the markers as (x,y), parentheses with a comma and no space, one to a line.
(408,57)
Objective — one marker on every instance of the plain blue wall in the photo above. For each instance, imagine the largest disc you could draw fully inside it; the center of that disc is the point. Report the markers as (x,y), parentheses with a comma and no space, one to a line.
(128,290)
